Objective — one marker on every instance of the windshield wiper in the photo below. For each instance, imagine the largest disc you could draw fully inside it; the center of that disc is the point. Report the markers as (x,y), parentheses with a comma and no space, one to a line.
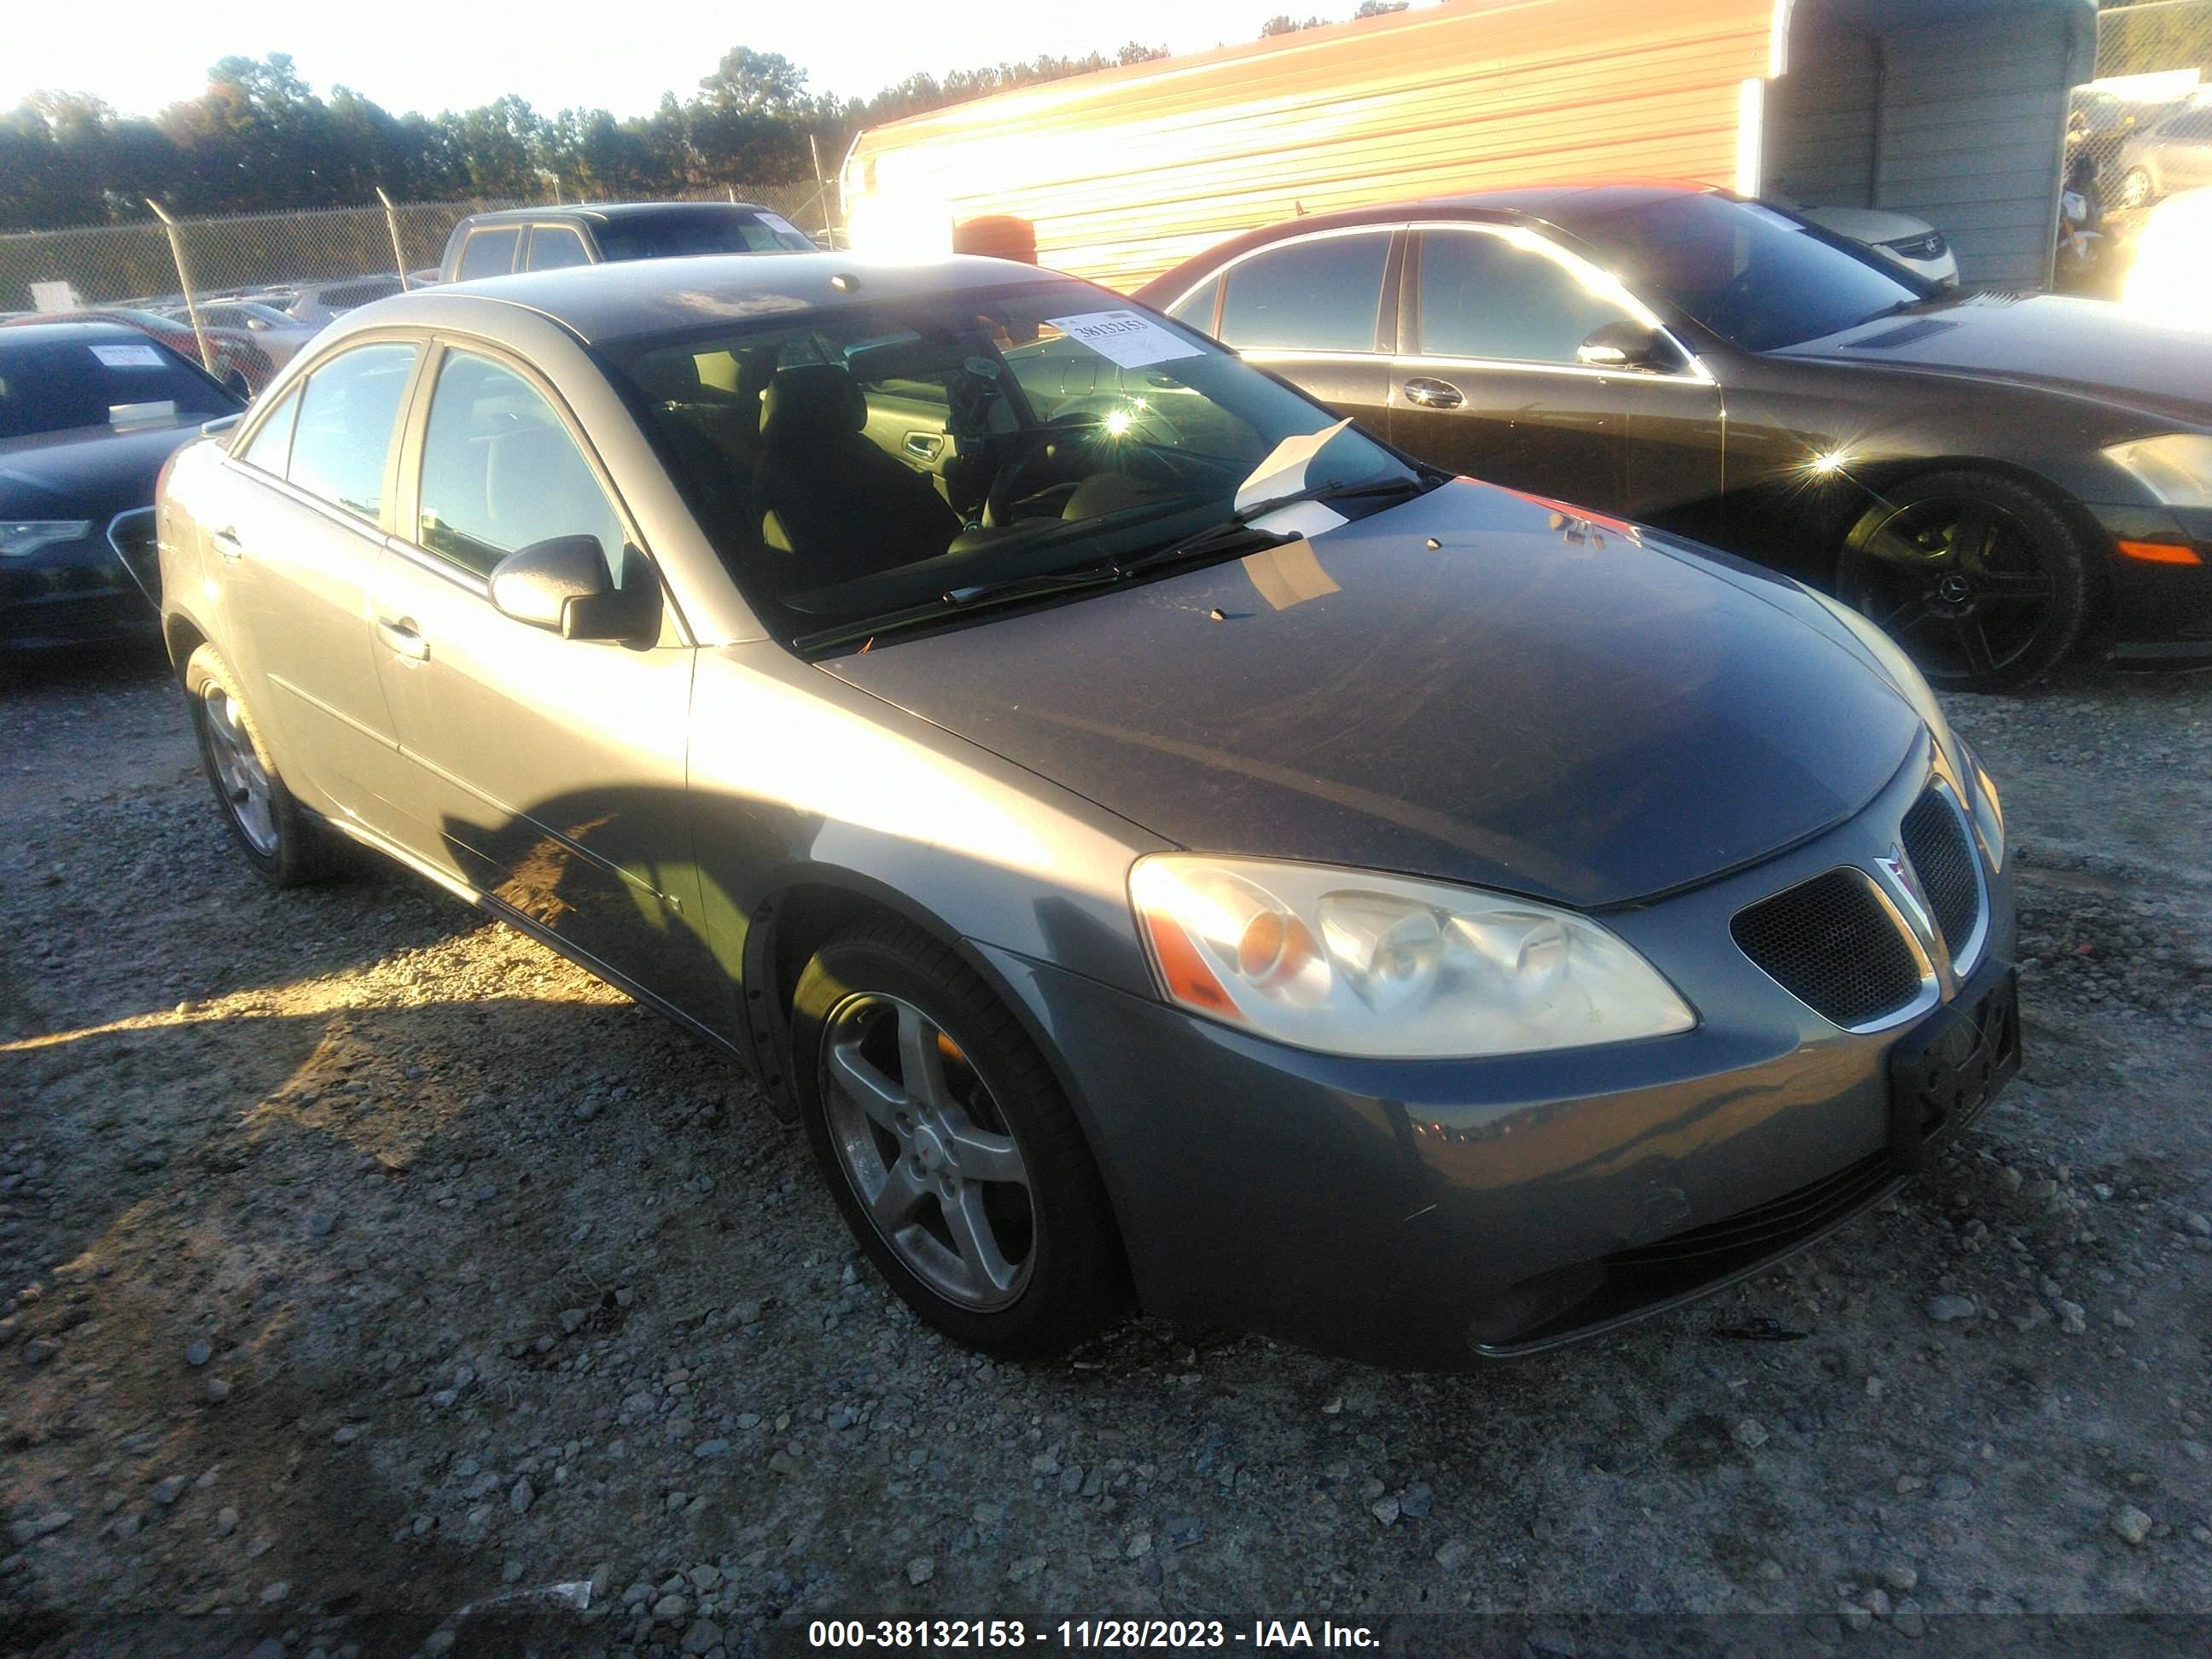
(1237,532)
(1015,590)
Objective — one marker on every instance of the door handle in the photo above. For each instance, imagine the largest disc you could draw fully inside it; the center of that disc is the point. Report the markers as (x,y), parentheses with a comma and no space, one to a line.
(1426,393)
(226,543)
(403,639)
(927,445)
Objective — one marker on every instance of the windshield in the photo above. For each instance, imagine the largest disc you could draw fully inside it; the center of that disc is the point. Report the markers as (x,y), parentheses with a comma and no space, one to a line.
(59,386)
(662,236)
(855,463)
(1757,277)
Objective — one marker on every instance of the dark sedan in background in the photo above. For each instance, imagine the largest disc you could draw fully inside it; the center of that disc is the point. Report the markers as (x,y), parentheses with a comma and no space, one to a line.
(1155,840)
(1993,478)
(88,414)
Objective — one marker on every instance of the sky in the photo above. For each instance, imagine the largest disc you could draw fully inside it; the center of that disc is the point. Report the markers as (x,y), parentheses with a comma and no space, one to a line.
(430,54)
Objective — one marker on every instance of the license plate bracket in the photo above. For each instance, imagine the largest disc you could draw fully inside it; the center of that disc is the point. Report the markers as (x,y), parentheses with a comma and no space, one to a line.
(1945,1072)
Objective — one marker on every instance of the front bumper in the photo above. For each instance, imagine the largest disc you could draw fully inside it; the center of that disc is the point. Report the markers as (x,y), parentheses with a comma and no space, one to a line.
(73,593)
(1433,1213)
(2159,613)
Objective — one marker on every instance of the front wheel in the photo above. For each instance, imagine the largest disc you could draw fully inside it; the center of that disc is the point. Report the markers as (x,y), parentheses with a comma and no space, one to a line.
(2135,189)
(286,847)
(949,1148)
(1984,582)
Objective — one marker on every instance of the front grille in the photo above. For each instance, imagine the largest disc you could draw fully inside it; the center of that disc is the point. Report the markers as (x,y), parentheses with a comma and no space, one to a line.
(1930,246)
(1645,1276)
(1833,946)
(1935,840)
(131,537)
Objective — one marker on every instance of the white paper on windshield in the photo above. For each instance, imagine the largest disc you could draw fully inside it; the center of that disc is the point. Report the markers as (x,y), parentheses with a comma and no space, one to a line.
(1284,471)
(141,414)
(777,222)
(127,356)
(1127,338)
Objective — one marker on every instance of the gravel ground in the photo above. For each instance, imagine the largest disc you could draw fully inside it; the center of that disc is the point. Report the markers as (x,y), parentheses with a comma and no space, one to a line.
(364,1263)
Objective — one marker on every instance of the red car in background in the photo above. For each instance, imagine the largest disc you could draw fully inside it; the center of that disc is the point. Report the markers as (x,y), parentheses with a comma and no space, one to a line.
(239,363)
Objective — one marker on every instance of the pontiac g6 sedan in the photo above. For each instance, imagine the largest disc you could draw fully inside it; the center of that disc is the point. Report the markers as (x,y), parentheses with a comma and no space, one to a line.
(1161,844)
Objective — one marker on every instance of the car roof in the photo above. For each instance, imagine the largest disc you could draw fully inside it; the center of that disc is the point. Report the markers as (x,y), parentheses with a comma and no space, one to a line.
(603,212)
(1561,203)
(626,299)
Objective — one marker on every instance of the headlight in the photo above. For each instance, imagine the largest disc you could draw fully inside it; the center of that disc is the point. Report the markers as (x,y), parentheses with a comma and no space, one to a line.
(1989,812)
(20,536)
(2177,469)
(1349,961)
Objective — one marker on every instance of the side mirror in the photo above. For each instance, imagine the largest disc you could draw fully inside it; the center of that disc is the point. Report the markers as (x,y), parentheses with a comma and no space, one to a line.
(559,584)
(1628,346)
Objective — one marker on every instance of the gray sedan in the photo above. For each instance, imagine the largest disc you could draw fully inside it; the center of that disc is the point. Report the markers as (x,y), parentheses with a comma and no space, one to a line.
(1165,847)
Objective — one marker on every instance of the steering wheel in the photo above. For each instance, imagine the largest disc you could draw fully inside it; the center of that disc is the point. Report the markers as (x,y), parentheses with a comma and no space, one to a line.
(1038,451)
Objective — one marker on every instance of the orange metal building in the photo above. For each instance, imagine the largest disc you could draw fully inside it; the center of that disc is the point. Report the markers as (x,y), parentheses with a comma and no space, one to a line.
(1951,109)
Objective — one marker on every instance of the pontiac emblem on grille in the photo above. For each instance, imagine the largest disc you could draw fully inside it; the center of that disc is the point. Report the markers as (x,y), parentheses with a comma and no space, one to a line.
(1905,883)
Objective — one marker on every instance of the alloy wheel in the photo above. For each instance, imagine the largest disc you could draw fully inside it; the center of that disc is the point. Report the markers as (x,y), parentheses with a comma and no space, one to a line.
(1963,584)
(927,1151)
(240,777)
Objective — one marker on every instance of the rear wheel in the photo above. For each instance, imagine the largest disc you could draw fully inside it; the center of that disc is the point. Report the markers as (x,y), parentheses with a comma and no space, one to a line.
(949,1146)
(2135,191)
(284,845)
(1983,581)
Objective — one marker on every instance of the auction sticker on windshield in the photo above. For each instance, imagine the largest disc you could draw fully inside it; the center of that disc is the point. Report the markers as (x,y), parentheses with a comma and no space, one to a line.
(1127,338)
(127,356)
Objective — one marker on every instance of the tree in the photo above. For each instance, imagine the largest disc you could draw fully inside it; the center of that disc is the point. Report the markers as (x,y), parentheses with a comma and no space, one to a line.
(1283,23)
(758,83)
(1378,8)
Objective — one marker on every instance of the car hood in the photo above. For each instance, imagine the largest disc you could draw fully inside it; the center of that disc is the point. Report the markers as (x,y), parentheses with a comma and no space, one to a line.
(1469,686)
(1872,225)
(2091,346)
(87,472)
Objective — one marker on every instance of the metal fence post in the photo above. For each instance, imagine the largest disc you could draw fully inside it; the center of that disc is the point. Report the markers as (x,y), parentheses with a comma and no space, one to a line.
(185,282)
(391,223)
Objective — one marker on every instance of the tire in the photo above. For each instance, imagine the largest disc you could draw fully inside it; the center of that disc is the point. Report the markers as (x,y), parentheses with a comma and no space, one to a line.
(925,1102)
(1984,582)
(2136,189)
(284,845)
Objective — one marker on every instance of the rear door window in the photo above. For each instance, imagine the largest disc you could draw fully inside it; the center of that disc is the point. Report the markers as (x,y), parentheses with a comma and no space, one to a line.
(343,437)
(1487,295)
(1323,294)
(553,246)
(490,252)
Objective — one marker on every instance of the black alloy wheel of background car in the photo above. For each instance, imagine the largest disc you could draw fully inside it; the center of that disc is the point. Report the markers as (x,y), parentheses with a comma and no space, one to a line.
(1977,576)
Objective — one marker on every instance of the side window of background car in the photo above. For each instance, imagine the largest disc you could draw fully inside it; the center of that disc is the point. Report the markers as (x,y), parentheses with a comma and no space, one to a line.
(1487,295)
(490,252)
(271,448)
(1320,295)
(500,472)
(1196,308)
(343,434)
(552,246)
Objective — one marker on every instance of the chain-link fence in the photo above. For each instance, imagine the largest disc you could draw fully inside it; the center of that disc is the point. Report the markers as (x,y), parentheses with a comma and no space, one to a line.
(242,294)
(2143,129)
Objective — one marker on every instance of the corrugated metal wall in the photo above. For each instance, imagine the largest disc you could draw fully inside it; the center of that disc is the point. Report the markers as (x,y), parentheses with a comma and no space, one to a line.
(1820,116)
(1129,171)
(1973,139)
(1422,103)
